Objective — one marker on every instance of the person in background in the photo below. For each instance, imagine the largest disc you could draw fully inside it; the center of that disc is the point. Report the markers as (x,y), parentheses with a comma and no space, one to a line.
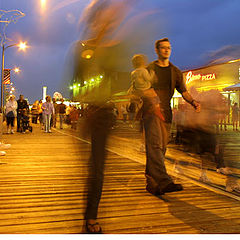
(54,116)
(48,111)
(132,108)
(34,112)
(124,113)
(11,113)
(40,116)
(74,116)
(61,110)
(22,105)
(235,112)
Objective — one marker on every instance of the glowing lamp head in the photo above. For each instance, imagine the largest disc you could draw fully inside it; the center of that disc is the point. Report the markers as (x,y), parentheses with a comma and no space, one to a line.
(22,46)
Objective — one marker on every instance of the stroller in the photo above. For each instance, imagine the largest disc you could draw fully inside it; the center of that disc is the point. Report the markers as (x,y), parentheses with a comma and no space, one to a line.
(24,122)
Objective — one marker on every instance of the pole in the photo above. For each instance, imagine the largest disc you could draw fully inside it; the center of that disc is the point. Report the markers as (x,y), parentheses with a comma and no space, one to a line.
(2,77)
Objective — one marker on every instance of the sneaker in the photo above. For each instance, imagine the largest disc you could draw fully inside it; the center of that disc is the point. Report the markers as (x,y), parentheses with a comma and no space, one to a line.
(224,171)
(49,131)
(4,146)
(2,153)
(12,132)
(8,131)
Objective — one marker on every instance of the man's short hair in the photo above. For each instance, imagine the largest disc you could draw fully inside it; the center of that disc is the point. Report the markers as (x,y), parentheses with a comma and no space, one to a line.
(157,43)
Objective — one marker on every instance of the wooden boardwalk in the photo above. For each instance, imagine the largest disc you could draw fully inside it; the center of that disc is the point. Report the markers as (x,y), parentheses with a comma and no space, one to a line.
(42,190)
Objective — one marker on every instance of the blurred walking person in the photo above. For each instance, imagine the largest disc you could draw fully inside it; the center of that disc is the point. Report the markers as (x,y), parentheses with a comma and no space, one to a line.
(48,111)
(97,52)
(11,113)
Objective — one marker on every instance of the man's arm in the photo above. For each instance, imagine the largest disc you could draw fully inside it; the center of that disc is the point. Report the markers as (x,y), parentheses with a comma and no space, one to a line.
(188,98)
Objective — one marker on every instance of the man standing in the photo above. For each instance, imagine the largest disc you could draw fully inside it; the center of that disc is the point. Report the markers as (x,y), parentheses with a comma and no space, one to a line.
(22,105)
(168,78)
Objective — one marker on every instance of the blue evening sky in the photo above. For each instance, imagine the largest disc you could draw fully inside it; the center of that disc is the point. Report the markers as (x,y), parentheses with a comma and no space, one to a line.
(200,32)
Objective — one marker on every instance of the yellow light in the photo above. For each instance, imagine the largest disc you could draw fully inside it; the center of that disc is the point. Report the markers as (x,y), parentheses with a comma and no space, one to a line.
(16,70)
(232,61)
(85,82)
(43,3)
(12,89)
(22,46)
(88,56)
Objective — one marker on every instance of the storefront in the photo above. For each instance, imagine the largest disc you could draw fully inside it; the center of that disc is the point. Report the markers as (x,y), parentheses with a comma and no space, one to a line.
(224,77)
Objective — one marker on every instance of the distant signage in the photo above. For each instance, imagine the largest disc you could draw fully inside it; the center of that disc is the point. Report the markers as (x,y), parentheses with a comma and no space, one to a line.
(193,77)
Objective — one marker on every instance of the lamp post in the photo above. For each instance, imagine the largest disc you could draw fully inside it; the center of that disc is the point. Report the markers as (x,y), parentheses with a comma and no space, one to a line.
(21,46)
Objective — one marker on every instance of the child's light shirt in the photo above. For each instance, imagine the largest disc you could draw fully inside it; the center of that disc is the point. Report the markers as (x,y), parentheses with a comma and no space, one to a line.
(142,79)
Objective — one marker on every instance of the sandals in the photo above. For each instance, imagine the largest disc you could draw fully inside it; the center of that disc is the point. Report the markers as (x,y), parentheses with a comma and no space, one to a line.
(91,227)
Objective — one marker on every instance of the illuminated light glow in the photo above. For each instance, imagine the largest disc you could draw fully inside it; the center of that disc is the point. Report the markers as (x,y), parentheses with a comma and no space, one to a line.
(83,44)
(43,4)
(232,61)
(11,92)
(74,86)
(101,76)
(191,77)
(22,46)
(16,70)
(12,89)
(87,54)
(79,85)
(92,80)
(71,87)
(85,82)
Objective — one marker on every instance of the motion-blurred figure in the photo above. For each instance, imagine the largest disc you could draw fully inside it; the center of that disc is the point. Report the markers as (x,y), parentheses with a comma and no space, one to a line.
(96,54)
(199,131)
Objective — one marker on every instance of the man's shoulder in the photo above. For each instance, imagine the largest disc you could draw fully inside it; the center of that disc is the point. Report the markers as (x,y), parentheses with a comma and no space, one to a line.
(175,68)
(152,64)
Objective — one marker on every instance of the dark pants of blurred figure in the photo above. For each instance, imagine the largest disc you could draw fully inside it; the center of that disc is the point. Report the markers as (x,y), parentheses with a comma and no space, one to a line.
(156,138)
(100,122)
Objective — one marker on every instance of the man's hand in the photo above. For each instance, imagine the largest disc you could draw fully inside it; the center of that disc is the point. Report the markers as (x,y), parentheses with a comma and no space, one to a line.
(196,105)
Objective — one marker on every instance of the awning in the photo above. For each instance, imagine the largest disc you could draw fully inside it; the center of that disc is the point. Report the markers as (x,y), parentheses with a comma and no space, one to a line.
(235,87)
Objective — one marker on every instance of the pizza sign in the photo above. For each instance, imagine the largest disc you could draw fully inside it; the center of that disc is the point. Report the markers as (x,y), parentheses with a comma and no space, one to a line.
(193,77)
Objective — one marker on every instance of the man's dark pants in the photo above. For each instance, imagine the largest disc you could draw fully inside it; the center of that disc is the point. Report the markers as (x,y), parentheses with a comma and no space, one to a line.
(156,136)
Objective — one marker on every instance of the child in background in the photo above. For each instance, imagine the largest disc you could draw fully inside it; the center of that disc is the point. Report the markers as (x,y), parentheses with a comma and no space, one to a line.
(142,85)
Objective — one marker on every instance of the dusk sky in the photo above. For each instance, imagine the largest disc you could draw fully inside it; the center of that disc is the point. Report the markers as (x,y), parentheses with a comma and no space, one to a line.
(200,32)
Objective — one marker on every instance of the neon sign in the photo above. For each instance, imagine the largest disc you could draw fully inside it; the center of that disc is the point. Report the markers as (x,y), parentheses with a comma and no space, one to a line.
(192,77)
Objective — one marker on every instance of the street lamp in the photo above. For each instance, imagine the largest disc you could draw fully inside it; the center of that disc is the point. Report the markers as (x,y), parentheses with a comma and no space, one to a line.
(22,46)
